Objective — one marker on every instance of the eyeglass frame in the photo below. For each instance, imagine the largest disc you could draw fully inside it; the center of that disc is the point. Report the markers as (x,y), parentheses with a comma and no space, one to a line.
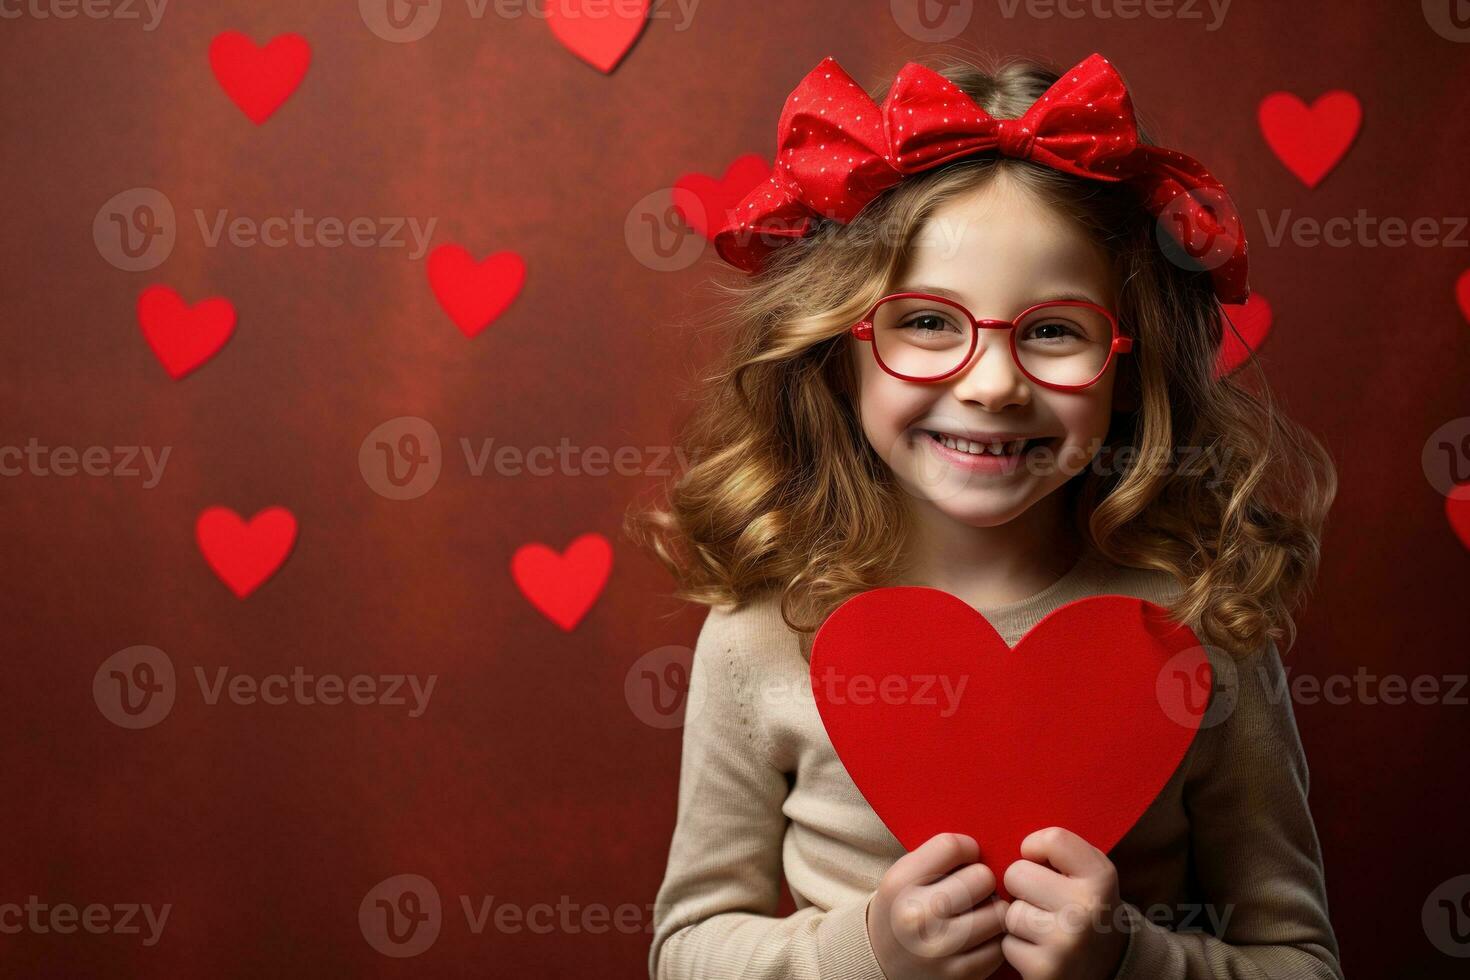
(863,330)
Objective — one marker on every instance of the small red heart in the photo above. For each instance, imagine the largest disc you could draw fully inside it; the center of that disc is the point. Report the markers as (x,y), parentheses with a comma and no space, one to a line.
(474,294)
(1253,320)
(1457,511)
(182,336)
(258,79)
(706,203)
(245,555)
(563,586)
(1310,141)
(601,35)
(1462,293)
(1080,726)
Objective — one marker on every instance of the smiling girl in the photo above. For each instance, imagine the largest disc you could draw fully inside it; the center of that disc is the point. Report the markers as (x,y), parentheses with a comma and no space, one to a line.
(977,352)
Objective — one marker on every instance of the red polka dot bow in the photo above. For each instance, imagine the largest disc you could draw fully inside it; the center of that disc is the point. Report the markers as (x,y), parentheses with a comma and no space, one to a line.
(837,150)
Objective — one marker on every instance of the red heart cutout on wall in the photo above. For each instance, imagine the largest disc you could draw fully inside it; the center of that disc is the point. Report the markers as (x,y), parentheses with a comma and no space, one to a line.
(1253,321)
(705,203)
(597,32)
(182,336)
(563,586)
(1462,293)
(244,555)
(1310,141)
(258,79)
(474,293)
(1080,726)
(1457,511)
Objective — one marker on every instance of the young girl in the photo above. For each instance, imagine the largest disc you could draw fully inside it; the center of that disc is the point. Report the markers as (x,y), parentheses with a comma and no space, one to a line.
(899,408)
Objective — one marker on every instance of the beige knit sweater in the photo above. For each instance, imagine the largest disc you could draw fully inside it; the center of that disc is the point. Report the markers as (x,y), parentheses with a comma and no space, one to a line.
(1222,876)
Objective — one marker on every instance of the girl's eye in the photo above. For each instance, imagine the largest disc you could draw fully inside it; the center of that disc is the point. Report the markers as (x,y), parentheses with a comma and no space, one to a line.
(1052,330)
(929,323)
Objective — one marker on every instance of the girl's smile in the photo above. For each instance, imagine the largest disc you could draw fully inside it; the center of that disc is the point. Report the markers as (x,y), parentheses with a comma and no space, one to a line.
(986,452)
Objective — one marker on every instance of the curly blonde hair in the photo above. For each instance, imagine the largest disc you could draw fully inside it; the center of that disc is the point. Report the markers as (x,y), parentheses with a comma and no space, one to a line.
(787,495)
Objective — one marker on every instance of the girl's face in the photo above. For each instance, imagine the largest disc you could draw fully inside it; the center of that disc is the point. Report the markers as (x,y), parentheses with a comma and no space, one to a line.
(997,251)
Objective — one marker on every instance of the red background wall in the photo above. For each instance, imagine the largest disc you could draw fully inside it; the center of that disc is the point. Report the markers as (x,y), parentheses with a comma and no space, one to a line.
(531,775)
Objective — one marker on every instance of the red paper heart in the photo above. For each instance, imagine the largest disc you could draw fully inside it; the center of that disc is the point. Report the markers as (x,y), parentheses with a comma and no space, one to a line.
(1310,141)
(474,293)
(563,586)
(258,79)
(597,32)
(245,555)
(706,203)
(1457,511)
(1253,320)
(1462,293)
(1079,726)
(182,336)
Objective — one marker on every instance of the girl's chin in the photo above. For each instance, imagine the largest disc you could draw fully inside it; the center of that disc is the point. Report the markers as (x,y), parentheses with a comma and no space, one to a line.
(975,500)
(980,513)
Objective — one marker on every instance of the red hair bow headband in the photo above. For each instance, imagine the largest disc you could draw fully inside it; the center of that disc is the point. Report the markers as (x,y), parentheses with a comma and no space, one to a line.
(837,150)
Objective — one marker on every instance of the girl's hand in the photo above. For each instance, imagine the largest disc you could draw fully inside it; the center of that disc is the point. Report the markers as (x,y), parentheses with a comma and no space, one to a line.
(923,921)
(1061,925)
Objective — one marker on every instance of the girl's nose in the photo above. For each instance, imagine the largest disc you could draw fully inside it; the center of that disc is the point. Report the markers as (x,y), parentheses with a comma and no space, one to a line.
(992,378)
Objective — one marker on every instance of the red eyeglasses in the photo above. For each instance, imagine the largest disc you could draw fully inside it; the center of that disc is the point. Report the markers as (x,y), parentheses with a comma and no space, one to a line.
(1063,344)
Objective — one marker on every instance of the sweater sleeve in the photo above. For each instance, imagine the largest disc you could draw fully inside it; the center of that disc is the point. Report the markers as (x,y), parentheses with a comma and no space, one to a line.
(713,916)
(1254,850)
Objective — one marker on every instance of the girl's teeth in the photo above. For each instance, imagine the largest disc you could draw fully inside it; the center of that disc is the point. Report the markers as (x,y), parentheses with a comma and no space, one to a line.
(981,449)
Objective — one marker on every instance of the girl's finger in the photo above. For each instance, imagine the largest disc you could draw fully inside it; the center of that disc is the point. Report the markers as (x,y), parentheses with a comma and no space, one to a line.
(981,961)
(984,924)
(958,892)
(941,935)
(1039,886)
(1025,921)
(1029,959)
(1065,851)
(935,858)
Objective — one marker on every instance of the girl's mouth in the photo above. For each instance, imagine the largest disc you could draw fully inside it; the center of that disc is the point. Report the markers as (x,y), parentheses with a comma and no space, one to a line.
(1002,457)
(1015,447)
